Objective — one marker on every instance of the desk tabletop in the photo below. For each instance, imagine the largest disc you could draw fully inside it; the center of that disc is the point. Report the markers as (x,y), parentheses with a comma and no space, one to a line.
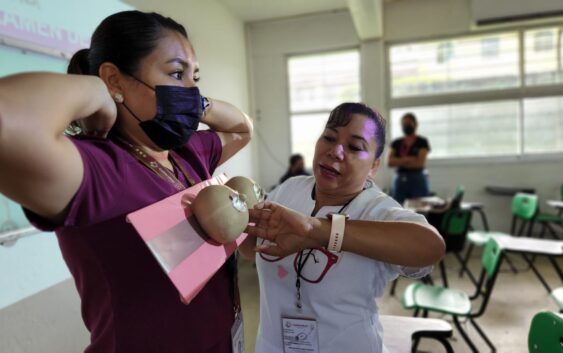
(423,204)
(398,330)
(508,190)
(555,204)
(531,245)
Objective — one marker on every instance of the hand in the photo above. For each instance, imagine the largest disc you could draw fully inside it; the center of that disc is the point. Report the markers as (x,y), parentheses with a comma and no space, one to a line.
(102,120)
(288,230)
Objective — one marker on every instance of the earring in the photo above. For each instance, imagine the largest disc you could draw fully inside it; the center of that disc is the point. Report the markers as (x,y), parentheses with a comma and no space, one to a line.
(118,97)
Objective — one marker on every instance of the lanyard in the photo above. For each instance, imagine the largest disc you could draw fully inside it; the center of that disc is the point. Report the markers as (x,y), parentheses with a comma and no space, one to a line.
(302,260)
(233,270)
(156,167)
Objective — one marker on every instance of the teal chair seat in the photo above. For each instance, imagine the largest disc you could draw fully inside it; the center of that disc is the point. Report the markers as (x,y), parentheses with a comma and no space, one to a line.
(437,299)
(457,303)
(546,333)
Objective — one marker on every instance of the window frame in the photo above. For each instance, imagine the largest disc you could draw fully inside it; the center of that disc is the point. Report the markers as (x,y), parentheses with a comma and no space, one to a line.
(517,93)
(288,57)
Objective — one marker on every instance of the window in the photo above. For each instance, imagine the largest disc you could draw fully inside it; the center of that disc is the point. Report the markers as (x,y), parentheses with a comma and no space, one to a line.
(499,107)
(543,59)
(457,65)
(543,124)
(317,84)
(466,130)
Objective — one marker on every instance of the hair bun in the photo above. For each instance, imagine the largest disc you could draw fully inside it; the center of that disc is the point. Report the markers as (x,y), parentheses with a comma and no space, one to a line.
(79,63)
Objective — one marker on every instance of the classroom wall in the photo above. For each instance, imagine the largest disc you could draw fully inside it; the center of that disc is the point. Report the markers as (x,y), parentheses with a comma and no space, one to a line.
(272,41)
(39,305)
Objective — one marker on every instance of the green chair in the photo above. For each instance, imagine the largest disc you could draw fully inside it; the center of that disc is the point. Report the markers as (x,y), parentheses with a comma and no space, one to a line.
(454,228)
(427,298)
(546,333)
(441,221)
(524,207)
(546,220)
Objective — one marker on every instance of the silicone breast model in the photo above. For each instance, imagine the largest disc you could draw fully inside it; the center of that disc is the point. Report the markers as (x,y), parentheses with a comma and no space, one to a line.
(221,212)
(247,187)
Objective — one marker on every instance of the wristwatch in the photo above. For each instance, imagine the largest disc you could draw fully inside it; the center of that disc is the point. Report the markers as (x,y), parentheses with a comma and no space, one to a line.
(338,222)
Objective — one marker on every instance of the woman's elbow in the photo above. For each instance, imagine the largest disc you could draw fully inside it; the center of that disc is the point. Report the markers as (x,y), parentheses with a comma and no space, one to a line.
(437,248)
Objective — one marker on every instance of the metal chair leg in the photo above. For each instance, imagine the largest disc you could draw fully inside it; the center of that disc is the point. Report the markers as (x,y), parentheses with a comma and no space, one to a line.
(443,274)
(464,268)
(415,343)
(445,343)
(443,340)
(537,273)
(464,335)
(393,287)
(466,259)
(483,335)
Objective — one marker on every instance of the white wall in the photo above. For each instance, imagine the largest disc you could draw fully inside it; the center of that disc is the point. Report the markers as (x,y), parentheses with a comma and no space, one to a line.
(271,42)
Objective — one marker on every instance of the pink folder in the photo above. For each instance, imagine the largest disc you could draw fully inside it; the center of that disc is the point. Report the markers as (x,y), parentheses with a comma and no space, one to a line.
(180,246)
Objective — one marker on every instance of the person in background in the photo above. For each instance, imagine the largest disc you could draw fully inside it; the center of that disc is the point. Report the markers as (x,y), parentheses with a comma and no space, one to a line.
(329,243)
(296,167)
(408,154)
(135,98)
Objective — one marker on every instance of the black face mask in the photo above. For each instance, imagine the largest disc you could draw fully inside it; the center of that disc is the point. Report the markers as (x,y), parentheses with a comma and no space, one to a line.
(178,111)
(408,129)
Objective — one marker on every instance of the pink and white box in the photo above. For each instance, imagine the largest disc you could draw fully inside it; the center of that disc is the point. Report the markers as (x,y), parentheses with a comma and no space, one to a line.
(176,240)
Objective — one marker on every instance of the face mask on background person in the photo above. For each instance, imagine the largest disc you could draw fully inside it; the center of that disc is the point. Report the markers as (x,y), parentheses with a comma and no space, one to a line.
(408,129)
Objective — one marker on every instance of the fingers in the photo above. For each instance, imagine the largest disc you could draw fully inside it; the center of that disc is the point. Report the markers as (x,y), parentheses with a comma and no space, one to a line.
(271,249)
(260,231)
(258,215)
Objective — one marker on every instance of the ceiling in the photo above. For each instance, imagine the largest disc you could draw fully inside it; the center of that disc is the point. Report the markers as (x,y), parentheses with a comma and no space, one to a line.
(259,10)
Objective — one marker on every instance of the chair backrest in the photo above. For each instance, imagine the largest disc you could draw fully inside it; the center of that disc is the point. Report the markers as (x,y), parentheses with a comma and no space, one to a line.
(491,258)
(546,333)
(455,225)
(458,196)
(490,262)
(525,206)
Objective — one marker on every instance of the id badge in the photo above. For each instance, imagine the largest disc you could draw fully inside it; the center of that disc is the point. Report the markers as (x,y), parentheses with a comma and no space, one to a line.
(300,335)
(237,335)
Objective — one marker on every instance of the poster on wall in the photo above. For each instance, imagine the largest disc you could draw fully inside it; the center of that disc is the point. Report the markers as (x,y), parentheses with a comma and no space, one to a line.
(53,27)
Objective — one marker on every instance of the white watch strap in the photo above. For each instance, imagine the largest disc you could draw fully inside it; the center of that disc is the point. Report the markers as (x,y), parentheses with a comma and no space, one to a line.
(336,232)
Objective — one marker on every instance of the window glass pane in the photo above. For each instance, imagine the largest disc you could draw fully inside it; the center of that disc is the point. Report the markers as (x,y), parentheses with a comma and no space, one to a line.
(455,65)
(321,82)
(465,130)
(543,125)
(543,56)
(305,131)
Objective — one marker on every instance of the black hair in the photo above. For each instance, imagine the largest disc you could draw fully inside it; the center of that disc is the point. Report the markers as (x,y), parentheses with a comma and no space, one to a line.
(342,115)
(295,158)
(123,39)
(412,118)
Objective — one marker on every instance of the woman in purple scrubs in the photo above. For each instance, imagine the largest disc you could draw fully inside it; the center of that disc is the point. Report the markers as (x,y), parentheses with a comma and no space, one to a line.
(138,107)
